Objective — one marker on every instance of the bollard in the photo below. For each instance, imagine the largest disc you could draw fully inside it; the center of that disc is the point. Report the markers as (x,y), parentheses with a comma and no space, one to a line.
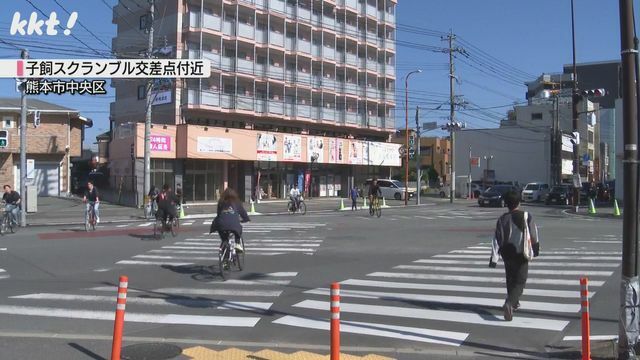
(335,321)
(116,345)
(616,209)
(584,300)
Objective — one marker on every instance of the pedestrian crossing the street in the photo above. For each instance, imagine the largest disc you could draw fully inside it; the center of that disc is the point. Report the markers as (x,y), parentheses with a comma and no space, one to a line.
(266,239)
(234,303)
(448,298)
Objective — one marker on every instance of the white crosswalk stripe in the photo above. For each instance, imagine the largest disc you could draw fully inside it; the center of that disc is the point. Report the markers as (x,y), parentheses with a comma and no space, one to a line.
(459,289)
(216,303)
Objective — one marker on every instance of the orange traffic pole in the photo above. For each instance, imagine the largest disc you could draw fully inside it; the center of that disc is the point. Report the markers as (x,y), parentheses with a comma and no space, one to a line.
(118,326)
(335,321)
(586,331)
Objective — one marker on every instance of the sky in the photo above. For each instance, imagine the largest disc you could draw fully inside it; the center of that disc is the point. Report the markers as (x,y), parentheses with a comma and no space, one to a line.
(502,43)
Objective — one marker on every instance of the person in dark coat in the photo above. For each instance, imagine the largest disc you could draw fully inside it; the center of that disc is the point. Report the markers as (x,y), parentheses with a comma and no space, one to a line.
(230,216)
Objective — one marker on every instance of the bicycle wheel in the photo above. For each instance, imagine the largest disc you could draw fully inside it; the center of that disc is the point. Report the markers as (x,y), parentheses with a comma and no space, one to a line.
(290,208)
(378,210)
(157,229)
(303,208)
(240,255)
(174,227)
(93,221)
(371,209)
(86,222)
(222,260)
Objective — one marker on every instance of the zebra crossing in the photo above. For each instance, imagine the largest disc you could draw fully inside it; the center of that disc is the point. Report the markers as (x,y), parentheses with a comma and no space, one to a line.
(440,214)
(259,240)
(234,303)
(459,296)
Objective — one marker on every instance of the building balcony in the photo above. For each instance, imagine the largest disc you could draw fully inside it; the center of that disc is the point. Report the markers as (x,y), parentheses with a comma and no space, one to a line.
(260,4)
(276,72)
(277,5)
(261,70)
(261,106)
(361,119)
(214,58)
(350,117)
(389,44)
(291,11)
(228,64)
(329,23)
(371,10)
(290,44)
(246,66)
(372,65)
(329,84)
(246,30)
(353,4)
(389,17)
(390,69)
(329,53)
(328,114)
(316,50)
(316,82)
(276,38)
(304,79)
(290,76)
(374,121)
(316,20)
(351,59)
(196,97)
(262,36)
(276,107)
(350,88)
(209,21)
(227,101)
(289,109)
(304,14)
(229,28)
(304,46)
(351,30)
(245,103)
(372,93)
(304,111)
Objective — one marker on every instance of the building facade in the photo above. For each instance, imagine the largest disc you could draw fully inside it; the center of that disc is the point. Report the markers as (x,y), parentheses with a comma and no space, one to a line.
(435,153)
(57,137)
(300,92)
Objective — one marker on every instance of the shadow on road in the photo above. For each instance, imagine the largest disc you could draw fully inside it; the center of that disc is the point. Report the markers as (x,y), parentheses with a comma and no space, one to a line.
(86,351)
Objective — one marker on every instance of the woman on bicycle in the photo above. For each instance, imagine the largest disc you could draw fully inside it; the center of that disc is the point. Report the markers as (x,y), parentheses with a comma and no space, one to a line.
(230,216)
(166,205)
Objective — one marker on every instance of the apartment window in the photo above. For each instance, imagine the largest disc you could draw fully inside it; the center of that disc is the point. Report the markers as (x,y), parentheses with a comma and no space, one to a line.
(7,122)
(142,92)
(536,116)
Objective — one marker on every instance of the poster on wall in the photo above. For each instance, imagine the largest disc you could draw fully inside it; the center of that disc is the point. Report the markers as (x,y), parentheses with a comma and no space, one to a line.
(267,147)
(333,153)
(214,145)
(355,152)
(160,143)
(315,149)
(292,148)
(340,151)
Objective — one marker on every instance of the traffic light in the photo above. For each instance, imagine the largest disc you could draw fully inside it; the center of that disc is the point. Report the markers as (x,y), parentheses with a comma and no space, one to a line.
(594,93)
(36,118)
(4,138)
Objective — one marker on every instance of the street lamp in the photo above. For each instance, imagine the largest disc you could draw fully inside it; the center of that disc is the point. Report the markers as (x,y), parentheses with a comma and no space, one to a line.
(406,130)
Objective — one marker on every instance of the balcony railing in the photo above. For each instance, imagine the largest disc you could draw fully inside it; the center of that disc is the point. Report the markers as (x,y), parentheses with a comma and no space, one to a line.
(210,21)
(196,97)
(329,53)
(350,88)
(351,3)
(276,72)
(229,28)
(277,5)
(350,117)
(245,102)
(246,66)
(262,36)
(316,50)
(290,76)
(351,59)
(304,78)
(329,22)
(276,38)
(372,65)
(328,114)
(276,107)
(304,14)
(371,10)
(261,106)
(304,111)
(227,101)
(246,30)
(228,64)
(261,4)
(291,11)
(328,84)
(289,109)
(304,46)
(289,43)
(261,70)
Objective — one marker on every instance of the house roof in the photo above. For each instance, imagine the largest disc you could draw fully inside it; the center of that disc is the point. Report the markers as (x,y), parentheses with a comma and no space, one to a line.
(13,104)
(104,136)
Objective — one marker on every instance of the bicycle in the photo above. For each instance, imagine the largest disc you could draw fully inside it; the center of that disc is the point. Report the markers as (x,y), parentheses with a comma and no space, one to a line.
(159,227)
(301,208)
(375,207)
(90,218)
(7,223)
(228,256)
(151,208)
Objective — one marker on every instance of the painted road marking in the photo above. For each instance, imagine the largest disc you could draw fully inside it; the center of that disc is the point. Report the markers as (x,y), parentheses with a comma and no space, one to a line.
(137,262)
(168,301)
(551,257)
(221,292)
(489,270)
(230,321)
(440,315)
(446,299)
(476,279)
(145,224)
(459,288)
(546,252)
(382,330)
(531,264)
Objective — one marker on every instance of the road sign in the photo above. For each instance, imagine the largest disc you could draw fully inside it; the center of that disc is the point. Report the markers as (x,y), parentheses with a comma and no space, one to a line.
(475,161)
(428,126)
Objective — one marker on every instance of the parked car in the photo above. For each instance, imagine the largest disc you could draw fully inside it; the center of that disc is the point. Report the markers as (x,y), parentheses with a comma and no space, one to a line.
(560,194)
(494,196)
(391,189)
(535,191)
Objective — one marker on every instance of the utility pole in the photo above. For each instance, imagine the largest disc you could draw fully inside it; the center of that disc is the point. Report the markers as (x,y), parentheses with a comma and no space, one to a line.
(452,126)
(24,54)
(418,164)
(147,122)
(406,133)
(469,179)
(574,106)
(628,319)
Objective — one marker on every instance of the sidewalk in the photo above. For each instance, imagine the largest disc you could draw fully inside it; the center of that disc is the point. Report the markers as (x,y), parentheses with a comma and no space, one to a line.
(53,211)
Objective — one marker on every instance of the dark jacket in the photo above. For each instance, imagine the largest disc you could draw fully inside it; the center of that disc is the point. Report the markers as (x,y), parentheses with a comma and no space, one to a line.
(508,240)
(229,217)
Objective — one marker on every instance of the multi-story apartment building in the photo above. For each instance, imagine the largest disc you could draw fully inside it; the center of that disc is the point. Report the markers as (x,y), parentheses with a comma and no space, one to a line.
(297,89)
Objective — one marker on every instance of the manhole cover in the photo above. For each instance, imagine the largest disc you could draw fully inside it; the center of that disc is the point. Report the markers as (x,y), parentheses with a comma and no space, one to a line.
(151,351)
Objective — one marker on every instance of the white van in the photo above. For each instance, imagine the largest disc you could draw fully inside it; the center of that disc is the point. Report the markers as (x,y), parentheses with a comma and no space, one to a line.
(535,191)
(391,189)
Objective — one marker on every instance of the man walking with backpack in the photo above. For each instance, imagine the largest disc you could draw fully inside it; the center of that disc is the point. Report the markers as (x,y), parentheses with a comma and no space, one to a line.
(516,240)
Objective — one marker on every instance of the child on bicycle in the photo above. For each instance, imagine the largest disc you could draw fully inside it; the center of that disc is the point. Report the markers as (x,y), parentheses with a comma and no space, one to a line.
(230,216)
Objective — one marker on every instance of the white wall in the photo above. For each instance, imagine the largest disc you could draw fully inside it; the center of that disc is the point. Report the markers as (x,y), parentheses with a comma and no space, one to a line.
(522,155)
(619,152)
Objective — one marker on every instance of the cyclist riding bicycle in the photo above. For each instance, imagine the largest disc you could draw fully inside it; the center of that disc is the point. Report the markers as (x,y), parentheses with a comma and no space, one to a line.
(12,203)
(374,192)
(167,202)
(92,199)
(230,216)
(294,195)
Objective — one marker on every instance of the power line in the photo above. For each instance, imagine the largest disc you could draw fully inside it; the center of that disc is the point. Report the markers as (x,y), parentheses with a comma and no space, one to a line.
(82,25)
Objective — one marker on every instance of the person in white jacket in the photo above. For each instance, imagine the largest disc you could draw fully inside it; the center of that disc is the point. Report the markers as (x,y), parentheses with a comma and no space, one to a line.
(516,241)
